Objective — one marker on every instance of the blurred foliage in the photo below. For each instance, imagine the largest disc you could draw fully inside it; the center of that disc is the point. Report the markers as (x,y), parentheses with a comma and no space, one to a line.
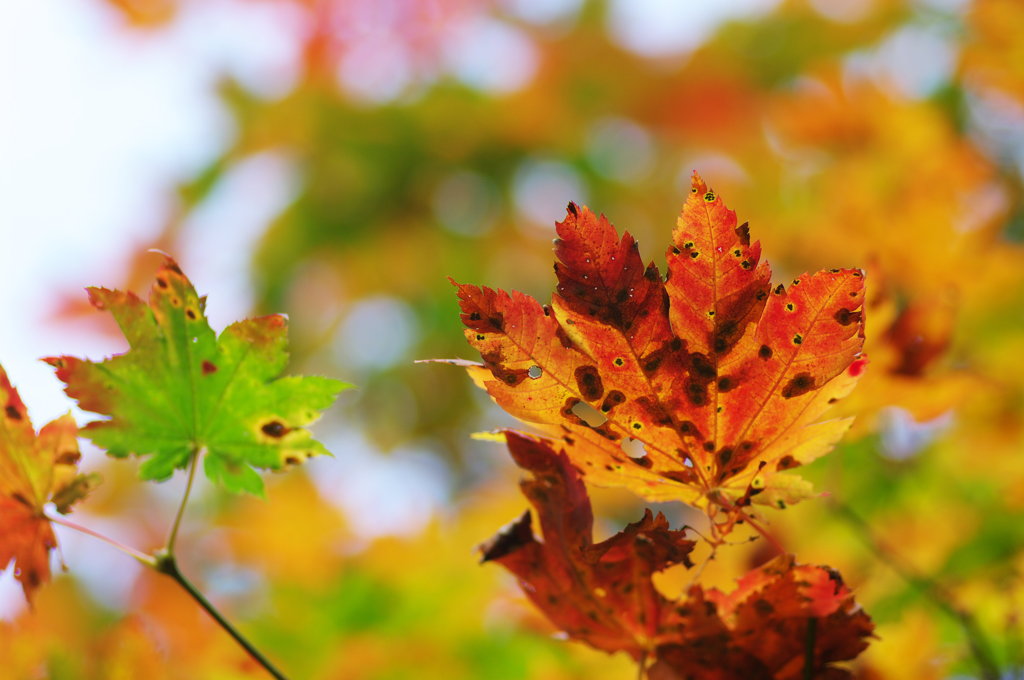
(882,134)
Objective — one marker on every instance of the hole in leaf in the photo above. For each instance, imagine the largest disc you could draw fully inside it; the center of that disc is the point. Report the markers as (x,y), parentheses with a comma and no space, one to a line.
(590,415)
(634,448)
(535,372)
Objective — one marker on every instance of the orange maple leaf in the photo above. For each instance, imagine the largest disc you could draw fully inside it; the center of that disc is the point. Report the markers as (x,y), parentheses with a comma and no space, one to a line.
(34,470)
(721,377)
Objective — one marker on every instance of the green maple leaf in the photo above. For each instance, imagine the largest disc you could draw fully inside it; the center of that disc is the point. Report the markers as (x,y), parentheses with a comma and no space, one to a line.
(181,390)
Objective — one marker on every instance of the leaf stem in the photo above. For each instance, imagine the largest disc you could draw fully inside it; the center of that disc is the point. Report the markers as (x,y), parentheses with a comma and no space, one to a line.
(193,463)
(166,564)
(146,559)
(977,642)
(809,642)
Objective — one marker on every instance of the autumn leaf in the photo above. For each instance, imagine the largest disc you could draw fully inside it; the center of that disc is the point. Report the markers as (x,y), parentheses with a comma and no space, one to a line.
(603,594)
(181,389)
(784,621)
(721,377)
(599,593)
(34,470)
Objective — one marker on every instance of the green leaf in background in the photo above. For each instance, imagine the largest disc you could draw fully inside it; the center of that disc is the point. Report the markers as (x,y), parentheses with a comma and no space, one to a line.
(180,389)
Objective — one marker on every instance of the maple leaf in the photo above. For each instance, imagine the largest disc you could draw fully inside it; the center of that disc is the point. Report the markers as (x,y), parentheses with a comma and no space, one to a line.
(34,470)
(721,377)
(599,593)
(181,389)
(784,621)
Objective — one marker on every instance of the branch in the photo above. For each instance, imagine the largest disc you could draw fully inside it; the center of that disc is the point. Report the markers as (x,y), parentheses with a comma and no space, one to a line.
(166,564)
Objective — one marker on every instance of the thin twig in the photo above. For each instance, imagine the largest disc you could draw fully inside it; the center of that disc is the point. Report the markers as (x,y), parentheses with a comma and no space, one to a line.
(809,642)
(976,640)
(146,559)
(166,564)
(193,463)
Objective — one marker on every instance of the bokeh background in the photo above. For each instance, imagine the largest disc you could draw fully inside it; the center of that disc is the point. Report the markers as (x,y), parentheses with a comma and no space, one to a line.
(337,160)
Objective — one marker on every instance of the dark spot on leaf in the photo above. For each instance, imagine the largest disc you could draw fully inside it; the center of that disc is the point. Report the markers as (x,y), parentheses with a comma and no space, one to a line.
(709,196)
(745,264)
(796,282)
(726,334)
(763,607)
(643,461)
(652,364)
(857,273)
(176,269)
(68,457)
(12,412)
(475,316)
(786,463)
(572,208)
(291,460)
(737,253)
(637,426)
(790,307)
(614,398)
(480,336)
(681,476)
(688,429)
(688,245)
(780,289)
(675,251)
(209,367)
(161,282)
(275,429)
(651,274)
(845,317)
(798,339)
(702,366)
(709,446)
(589,383)
(724,455)
(676,344)
(765,352)
(802,383)
(697,393)
(546,309)
(190,313)
(497,322)
(725,384)
(618,361)
(694,255)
